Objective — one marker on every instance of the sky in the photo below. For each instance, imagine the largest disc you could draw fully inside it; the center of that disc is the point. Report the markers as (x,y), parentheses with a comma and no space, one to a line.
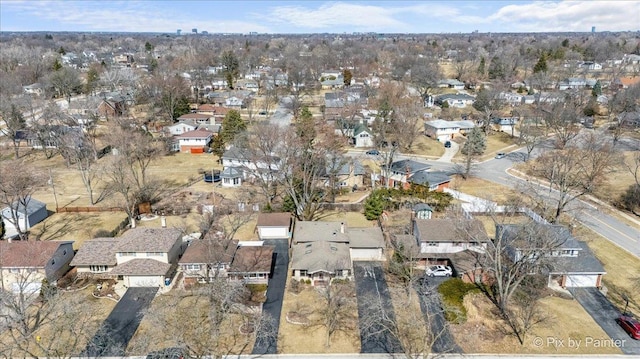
(318,16)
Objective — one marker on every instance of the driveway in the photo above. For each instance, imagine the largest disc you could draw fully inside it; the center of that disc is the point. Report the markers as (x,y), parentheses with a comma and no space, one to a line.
(604,313)
(267,336)
(431,306)
(117,330)
(449,152)
(370,283)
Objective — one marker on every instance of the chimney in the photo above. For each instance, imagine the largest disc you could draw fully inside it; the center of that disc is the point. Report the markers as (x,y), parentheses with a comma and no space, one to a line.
(163,221)
(342,227)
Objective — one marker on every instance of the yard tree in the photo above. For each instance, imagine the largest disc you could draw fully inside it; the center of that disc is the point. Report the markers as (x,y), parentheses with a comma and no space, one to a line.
(14,122)
(231,67)
(408,123)
(80,153)
(338,311)
(562,119)
(541,65)
(530,136)
(19,180)
(347,75)
(489,104)
(374,205)
(167,92)
(474,146)
(232,125)
(571,173)
(425,74)
(630,199)
(116,78)
(66,81)
(93,78)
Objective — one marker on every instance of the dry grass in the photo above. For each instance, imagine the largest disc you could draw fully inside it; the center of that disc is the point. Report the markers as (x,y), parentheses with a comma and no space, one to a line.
(483,189)
(623,269)
(617,182)
(77,227)
(350,197)
(291,335)
(489,222)
(483,333)
(496,142)
(427,146)
(352,219)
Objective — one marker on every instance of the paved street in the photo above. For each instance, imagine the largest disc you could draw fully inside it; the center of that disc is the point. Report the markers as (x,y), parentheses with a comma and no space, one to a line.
(267,336)
(604,313)
(117,330)
(370,288)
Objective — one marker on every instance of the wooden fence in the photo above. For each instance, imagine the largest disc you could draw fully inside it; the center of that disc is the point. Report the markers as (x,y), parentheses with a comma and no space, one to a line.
(87,209)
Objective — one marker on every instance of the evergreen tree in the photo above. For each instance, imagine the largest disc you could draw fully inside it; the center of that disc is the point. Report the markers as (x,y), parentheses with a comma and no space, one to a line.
(231,66)
(476,145)
(374,206)
(541,65)
(347,75)
(481,67)
(2,229)
(182,107)
(597,89)
(232,125)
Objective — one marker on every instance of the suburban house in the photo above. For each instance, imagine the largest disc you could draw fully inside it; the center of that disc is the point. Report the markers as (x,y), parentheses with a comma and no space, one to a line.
(34,89)
(504,124)
(625,82)
(34,213)
(590,65)
(446,130)
(455,100)
(404,173)
(346,173)
(452,84)
(322,251)
(274,225)
(251,264)
(206,259)
(194,141)
(216,113)
(362,136)
(435,181)
(572,83)
(183,126)
(242,163)
(570,264)
(196,117)
(144,257)
(629,119)
(214,257)
(451,242)
(25,264)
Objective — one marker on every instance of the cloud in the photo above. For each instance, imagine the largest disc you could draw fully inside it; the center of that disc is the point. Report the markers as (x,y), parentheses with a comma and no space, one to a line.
(544,16)
(125,16)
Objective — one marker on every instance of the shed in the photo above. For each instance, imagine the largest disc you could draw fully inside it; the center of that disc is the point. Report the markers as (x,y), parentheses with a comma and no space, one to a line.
(34,213)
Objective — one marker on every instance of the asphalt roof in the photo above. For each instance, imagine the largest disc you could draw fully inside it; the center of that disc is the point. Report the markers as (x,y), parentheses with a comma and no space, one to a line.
(431,178)
(320,256)
(449,230)
(98,251)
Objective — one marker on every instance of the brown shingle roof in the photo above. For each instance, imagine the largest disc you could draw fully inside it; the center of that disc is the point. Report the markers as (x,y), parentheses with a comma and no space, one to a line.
(142,267)
(311,231)
(448,230)
(27,254)
(209,251)
(250,259)
(279,219)
(199,133)
(149,240)
(98,251)
(194,116)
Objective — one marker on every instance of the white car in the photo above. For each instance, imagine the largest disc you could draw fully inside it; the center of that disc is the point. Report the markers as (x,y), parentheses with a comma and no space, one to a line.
(439,271)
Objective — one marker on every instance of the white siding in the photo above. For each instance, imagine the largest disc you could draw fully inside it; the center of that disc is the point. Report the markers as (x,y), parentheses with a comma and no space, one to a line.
(144,281)
(273,232)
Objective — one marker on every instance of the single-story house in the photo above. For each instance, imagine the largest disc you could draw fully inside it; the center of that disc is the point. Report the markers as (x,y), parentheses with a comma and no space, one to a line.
(34,89)
(348,173)
(252,264)
(194,141)
(274,225)
(320,262)
(196,117)
(446,130)
(504,124)
(451,83)
(34,213)
(436,180)
(25,264)
(455,100)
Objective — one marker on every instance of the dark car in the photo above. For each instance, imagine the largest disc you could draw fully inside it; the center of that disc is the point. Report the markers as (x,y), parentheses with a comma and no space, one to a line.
(630,325)
(447,144)
(373,152)
(215,178)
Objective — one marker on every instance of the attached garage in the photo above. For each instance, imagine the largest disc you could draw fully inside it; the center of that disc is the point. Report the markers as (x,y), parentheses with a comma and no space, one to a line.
(582,280)
(142,272)
(366,254)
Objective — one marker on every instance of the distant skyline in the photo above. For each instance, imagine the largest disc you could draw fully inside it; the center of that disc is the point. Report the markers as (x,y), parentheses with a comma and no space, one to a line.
(298,17)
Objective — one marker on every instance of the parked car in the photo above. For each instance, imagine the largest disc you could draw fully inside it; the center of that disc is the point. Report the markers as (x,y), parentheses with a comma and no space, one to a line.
(501,155)
(373,152)
(439,271)
(630,325)
(447,144)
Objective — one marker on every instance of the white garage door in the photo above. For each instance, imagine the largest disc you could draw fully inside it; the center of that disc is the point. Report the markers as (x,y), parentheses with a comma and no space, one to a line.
(144,281)
(273,232)
(366,254)
(582,280)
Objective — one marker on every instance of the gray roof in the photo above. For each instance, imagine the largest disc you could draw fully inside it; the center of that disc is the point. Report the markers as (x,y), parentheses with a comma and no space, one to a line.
(310,231)
(431,178)
(422,207)
(370,237)
(144,266)
(235,153)
(98,251)
(449,230)
(409,165)
(32,206)
(361,128)
(521,235)
(585,262)
(231,172)
(345,168)
(149,240)
(320,256)
(457,96)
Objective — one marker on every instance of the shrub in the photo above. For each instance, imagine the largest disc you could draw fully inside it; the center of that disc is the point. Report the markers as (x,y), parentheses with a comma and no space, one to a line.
(308,281)
(453,292)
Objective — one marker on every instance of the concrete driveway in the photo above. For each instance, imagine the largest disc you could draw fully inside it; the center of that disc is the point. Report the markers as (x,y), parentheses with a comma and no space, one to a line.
(604,313)
(449,152)
(431,306)
(117,330)
(267,336)
(370,283)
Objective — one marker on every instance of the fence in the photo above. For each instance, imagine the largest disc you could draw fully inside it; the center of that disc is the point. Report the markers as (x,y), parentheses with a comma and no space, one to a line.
(87,209)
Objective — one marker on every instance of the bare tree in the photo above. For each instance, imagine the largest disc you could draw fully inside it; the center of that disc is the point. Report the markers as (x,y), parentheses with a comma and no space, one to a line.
(18,182)
(167,91)
(14,123)
(407,124)
(562,119)
(66,81)
(530,136)
(338,310)
(117,78)
(79,151)
(425,74)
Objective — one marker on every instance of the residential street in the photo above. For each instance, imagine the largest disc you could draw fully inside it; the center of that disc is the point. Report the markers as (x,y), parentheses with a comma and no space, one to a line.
(117,330)
(371,285)
(267,336)
(604,313)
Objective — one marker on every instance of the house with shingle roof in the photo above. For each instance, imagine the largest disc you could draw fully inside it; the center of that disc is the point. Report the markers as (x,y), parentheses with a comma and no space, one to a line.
(322,251)
(251,264)
(274,225)
(143,256)
(206,259)
(25,264)
(194,141)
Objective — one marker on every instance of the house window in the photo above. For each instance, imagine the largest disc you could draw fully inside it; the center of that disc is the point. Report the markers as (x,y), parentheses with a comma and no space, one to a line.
(432,244)
(154,254)
(236,181)
(304,273)
(97,268)
(14,270)
(192,267)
